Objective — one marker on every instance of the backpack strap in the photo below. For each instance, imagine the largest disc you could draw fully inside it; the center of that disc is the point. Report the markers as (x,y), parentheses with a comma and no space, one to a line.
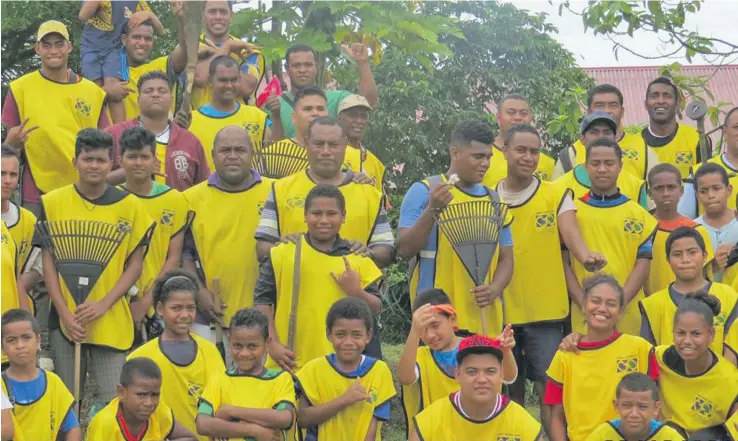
(414,261)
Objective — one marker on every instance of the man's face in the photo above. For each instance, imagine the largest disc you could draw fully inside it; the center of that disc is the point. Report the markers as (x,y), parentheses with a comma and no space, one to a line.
(139,164)
(324,218)
(730,132)
(54,51)
(326,150)
(140,398)
(512,113)
(10,175)
(523,152)
(661,103)
(354,121)
(603,167)
(232,156)
(608,102)
(217,18)
(308,109)
(224,82)
(138,43)
(155,98)
(636,410)
(93,166)
(471,162)
(597,130)
(301,69)
(480,377)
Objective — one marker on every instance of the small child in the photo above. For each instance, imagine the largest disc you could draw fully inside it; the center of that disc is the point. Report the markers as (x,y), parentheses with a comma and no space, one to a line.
(637,403)
(345,395)
(248,402)
(42,403)
(428,372)
(137,414)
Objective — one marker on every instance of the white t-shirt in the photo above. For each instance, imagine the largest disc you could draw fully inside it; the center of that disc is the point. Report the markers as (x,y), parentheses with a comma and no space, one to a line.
(6,404)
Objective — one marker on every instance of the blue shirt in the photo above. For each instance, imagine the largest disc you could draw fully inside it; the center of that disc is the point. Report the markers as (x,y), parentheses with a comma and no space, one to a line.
(447,360)
(209,111)
(654,424)
(27,392)
(382,412)
(413,205)
(102,31)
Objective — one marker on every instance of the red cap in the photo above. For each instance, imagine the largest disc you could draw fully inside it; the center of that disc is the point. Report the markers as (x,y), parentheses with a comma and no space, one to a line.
(479,344)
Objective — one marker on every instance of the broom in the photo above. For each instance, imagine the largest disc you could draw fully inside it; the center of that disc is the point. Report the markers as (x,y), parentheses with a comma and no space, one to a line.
(279,160)
(473,229)
(81,250)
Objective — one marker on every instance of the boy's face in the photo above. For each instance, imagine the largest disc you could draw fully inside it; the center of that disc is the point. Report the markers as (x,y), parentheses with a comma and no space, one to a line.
(248,347)
(349,338)
(523,153)
(636,410)
(665,189)
(10,176)
(713,193)
(138,164)
(20,343)
(93,166)
(603,167)
(479,377)
(439,334)
(686,259)
(324,218)
(140,398)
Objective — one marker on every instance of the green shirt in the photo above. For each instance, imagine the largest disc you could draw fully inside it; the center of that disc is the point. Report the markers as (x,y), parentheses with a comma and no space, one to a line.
(156,189)
(580,172)
(334,98)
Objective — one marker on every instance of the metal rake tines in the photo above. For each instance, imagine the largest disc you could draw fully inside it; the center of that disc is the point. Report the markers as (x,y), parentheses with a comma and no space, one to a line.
(279,159)
(80,240)
(473,222)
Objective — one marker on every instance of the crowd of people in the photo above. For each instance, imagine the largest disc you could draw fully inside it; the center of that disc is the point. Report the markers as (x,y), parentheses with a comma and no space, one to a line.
(242,300)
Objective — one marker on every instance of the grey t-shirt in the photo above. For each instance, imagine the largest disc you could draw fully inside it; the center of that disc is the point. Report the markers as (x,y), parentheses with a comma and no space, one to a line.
(181,353)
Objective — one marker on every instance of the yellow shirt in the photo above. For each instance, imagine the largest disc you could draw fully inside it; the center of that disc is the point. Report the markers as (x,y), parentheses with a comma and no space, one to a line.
(732,178)
(578,181)
(371,165)
(22,232)
(9,272)
(609,432)
(497,170)
(134,74)
(635,155)
(682,151)
(104,425)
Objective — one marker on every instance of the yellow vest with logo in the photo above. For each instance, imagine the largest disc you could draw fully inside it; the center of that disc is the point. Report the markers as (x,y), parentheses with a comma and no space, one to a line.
(9,271)
(134,74)
(443,421)
(732,178)
(182,386)
(590,378)
(370,165)
(628,185)
(60,111)
(617,232)
(104,425)
(221,221)
(318,292)
(659,309)
(42,419)
(661,275)
(22,232)
(635,154)
(363,203)
(697,402)
(497,170)
(608,432)
(731,426)
(322,383)
(682,151)
(114,328)
(537,245)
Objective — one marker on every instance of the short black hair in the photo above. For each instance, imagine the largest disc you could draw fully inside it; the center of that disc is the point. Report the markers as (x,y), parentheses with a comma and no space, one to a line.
(729,114)
(174,281)
(638,382)
(137,138)
(309,90)
(591,283)
(708,169)
(153,75)
(93,139)
(126,29)
(230,4)
(663,80)
(251,318)
(17,316)
(605,142)
(511,96)
(324,121)
(683,233)
(664,167)
(325,191)
(9,152)
(472,130)
(706,305)
(141,367)
(222,60)
(602,89)
(349,308)
(431,296)
(520,128)
(299,47)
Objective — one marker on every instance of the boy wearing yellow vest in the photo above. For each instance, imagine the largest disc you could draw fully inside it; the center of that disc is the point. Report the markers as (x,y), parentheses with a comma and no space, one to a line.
(638,405)
(344,394)
(137,413)
(477,411)
(42,404)
(322,269)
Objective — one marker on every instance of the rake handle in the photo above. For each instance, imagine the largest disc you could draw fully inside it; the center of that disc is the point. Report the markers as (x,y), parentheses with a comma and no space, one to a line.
(217,307)
(483,312)
(77,375)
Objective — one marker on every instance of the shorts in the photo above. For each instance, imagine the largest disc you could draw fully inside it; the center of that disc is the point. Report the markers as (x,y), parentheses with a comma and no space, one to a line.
(535,347)
(97,64)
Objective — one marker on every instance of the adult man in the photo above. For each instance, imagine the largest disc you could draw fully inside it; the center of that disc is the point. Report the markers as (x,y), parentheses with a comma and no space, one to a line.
(638,159)
(512,110)
(225,110)
(353,114)
(477,410)
(598,125)
(220,242)
(366,224)
(620,228)
(103,321)
(181,159)
(437,264)
(302,70)
(44,111)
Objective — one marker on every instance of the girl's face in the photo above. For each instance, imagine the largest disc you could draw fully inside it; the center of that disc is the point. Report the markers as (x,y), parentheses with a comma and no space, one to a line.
(692,335)
(602,308)
(178,312)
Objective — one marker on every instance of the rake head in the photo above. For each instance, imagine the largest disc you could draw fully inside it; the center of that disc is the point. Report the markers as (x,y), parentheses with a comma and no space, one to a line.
(279,159)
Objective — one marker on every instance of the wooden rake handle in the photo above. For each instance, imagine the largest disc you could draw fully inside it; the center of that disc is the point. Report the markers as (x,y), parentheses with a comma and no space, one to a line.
(295,295)
(217,302)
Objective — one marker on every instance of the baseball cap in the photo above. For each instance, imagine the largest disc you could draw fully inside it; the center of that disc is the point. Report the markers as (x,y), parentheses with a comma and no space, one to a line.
(599,116)
(52,27)
(353,101)
(479,344)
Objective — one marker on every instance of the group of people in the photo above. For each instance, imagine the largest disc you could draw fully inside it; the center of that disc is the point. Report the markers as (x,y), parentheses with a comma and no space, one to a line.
(242,301)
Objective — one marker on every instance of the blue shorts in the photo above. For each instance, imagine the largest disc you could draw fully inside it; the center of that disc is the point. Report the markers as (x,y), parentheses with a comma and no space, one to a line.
(535,347)
(97,64)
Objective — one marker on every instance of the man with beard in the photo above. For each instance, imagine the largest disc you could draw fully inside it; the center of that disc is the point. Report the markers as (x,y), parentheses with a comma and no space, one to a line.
(353,114)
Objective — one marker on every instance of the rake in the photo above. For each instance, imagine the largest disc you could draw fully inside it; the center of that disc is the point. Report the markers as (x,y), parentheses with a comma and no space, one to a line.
(279,159)
(473,229)
(81,250)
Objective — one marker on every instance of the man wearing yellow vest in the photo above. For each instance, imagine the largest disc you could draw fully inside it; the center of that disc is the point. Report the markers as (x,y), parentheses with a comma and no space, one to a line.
(219,244)
(353,113)
(44,110)
(638,159)
(225,110)
(512,110)
(435,264)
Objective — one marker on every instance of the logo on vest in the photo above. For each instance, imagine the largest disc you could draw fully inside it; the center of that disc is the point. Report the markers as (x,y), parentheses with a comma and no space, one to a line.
(23,246)
(720,320)
(702,407)
(542,175)
(627,364)
(5,239)
(252,128)
(83,107)
(194,390)
(544,220)
(296,202)
(124,225)
(508,437)
(633,226)
(684,158)
(373,395)
(260,207)
(630,154)
(167,217)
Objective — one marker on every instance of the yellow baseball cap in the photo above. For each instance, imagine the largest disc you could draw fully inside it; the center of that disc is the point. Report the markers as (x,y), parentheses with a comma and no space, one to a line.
(52,27)
(353,101)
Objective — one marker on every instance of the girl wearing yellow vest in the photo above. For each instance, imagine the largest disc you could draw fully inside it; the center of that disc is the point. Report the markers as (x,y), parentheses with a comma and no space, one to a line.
(186,360)
(698,387)
(12,297)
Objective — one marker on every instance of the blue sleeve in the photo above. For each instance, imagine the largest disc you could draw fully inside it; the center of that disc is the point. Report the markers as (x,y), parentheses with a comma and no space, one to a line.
(269,122)
(70,421)
(688,203)
(382,413)
(645,251)
(413,204)
(506,239)
(250,61)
